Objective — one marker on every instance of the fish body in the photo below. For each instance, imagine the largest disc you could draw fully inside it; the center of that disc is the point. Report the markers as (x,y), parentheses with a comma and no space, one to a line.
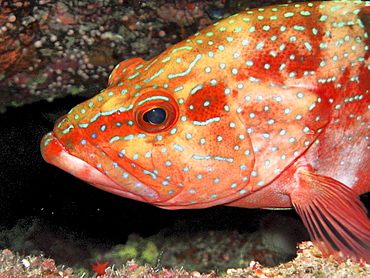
(269,108)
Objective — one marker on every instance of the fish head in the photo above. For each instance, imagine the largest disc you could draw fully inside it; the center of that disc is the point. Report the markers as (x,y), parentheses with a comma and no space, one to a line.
(150,144)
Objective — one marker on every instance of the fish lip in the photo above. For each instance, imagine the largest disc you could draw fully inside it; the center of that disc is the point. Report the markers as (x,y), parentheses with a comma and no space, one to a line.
(56,154)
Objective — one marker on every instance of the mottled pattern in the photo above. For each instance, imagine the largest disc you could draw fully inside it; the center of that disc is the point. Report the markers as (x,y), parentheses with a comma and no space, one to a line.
(267,108)
(53,48)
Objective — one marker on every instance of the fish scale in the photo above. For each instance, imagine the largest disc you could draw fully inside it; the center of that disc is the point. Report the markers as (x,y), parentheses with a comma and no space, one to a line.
(268,108)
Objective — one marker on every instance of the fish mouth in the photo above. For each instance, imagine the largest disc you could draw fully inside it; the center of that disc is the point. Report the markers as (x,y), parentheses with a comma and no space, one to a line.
(65,154)
(55,153)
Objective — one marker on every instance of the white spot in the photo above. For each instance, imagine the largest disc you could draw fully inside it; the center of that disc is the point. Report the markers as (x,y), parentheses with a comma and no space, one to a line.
(273,53)
(222,65)
(300,95)
(254,79)
(292,74)
(274,38)
(308,46)
(299,28)
(323,45)
(278,99)
(289,14)
(323,18)
(245,42)
(260,46)
(282,66)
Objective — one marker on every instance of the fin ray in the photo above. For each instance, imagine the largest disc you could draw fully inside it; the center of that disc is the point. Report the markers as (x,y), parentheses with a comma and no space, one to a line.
(334,216)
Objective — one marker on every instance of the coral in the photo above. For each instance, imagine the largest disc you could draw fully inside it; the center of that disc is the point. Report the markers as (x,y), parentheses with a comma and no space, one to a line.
(99,267)
(143,250)
(309,263)
(14,265)
(52,48)
(16,38)
(31,235)
(204,251)
(182,12)
(150,253)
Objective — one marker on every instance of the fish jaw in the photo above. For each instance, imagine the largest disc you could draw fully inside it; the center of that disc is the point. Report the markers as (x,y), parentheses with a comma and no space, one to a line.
(55,153)
(55,150)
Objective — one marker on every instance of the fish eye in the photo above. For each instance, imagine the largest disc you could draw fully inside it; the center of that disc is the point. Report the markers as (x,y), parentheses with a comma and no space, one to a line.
(155,116)
(155,111)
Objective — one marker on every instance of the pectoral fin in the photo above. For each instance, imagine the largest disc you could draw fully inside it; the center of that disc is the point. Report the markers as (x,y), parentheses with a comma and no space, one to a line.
(334,216)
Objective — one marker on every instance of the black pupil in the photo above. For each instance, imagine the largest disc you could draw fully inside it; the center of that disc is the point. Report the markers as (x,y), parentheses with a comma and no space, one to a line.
(155,116)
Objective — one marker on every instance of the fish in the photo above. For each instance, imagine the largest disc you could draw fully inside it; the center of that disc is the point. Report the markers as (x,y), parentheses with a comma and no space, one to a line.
(268,108)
